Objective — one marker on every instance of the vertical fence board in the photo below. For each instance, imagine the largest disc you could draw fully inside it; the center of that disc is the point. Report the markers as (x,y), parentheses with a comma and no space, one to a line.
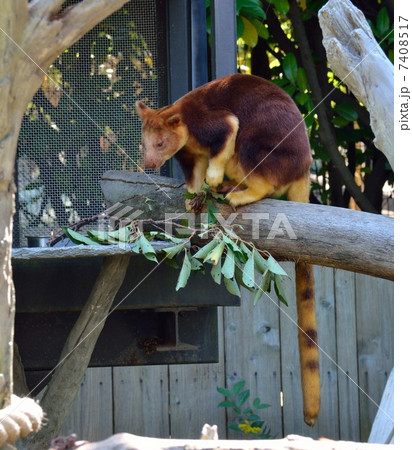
(141,400)
(291,382)
(92,415)
(326,424)
(374,310)
(194,399)
(193,396)
(347,355)
(252,346)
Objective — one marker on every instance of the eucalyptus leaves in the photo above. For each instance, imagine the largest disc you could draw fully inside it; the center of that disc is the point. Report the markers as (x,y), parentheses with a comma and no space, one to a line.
(236,262)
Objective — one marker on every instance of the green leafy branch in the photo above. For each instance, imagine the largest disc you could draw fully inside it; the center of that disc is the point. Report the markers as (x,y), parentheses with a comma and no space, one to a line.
(248,420)
(232,260)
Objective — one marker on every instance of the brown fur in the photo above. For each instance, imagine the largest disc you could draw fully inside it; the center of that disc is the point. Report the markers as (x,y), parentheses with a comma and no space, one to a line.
(249,130)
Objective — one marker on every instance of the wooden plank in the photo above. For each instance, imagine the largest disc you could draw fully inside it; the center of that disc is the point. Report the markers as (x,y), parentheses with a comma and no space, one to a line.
(252,346)
(383,427)
(141,400)
(91,417)
(347,355)
(194,399)
(374,309)
(327,423)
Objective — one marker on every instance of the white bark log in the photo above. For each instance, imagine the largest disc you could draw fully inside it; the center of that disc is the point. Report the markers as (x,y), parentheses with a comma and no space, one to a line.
(125,441)
(357,59)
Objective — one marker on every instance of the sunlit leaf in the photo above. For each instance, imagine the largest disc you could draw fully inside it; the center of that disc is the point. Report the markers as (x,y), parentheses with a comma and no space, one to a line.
(232,286)
(250,34)
(216,272)
(290,67)
(147,249)
(184,272)
(78,238)
(228,268)
(249,273)
(204,251)
(214,255)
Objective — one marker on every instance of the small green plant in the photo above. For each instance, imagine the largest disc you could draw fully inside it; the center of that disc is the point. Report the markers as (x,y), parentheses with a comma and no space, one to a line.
(248,420)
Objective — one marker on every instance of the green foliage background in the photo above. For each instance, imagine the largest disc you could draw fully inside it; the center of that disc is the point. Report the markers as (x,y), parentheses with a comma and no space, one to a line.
(268,47)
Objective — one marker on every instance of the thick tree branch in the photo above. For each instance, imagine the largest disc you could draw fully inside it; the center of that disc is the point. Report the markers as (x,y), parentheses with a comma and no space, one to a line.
(49,33)
(318,234)
(327,133)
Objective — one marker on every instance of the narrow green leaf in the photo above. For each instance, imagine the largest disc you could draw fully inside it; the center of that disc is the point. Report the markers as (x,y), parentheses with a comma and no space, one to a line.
(122,234)
(243,396)
(275,267)
(255,420)
(239,278)
(256,402)
(228,268)
(250,34)
(301,80)
(227,404)
(78,238)
(235,248)
(248,276)
(101,237)
(216,272)
(260,262)
(279,289)
(175,250)
(184,272)
(238,386)
(290,67)
(165,237)
(211,211)
(224,391)
(263,286)
(232,286)
(147,249)
(382,22)
(347,111)
(214,255)
(136,246)
(263,406)
(282,6)
(195,264)
(204,251)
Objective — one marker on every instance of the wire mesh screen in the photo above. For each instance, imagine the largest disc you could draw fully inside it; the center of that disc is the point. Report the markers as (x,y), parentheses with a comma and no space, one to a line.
(82,120)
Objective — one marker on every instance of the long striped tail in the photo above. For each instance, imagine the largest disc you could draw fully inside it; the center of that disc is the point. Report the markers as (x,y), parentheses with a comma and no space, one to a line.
(308,340)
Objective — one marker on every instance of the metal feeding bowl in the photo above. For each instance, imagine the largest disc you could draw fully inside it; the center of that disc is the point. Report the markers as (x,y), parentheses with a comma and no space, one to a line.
(37,241)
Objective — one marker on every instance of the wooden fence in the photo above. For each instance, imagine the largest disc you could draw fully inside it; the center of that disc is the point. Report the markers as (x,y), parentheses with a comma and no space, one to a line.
(258,345)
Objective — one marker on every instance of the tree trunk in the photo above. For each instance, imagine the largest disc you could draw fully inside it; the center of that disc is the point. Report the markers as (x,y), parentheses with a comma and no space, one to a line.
(317,234)
(357,59)
(32,35)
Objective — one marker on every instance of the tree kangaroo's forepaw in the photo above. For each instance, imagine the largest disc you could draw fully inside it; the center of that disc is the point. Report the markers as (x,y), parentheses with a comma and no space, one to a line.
(226,188)
(194,204)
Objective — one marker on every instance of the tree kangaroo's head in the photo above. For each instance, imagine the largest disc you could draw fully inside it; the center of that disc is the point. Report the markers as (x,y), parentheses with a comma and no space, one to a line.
(163,134)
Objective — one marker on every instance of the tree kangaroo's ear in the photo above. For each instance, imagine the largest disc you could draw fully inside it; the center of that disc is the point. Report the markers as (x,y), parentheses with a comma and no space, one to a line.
(142,109)
(174,119)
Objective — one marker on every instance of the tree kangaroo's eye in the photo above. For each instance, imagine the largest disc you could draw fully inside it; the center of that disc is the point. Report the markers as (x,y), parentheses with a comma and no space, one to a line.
(160,144)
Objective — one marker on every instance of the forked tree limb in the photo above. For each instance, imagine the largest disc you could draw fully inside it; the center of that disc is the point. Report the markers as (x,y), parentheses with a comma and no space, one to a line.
(317,234)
